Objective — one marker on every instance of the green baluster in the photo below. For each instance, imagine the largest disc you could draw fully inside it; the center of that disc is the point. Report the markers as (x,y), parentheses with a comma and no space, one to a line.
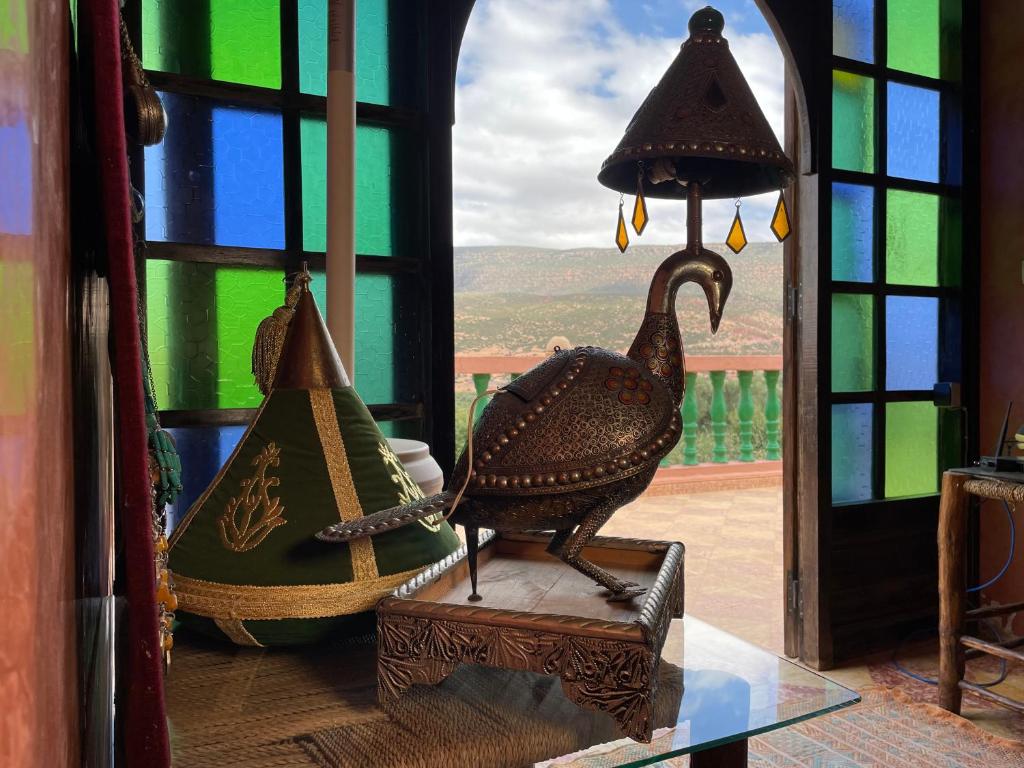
(718,417)
(690,420)
(480,383)
(771,416)
(746,414)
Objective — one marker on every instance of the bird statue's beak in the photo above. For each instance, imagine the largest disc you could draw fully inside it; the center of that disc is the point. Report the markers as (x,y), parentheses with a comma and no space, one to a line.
(716,318)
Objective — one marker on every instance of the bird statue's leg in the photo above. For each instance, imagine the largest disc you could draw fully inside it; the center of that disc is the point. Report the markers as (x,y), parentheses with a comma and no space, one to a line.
(574,544)
(472,548)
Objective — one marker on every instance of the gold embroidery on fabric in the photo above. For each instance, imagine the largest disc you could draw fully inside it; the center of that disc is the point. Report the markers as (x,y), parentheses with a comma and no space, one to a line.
(194,509)
(243,602)
(236,632)
(241,533)
(364,561)
(408,491)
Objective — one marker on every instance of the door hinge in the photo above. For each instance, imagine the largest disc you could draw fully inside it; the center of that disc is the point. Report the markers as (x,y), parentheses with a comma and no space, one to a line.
(794,601)
(792,302)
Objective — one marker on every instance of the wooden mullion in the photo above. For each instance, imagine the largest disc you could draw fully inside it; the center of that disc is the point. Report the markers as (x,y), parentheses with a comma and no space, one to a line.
(233,417)
(224,255)
(882,182)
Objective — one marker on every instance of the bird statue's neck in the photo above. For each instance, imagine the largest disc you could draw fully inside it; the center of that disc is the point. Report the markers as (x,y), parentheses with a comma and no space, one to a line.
(658,345)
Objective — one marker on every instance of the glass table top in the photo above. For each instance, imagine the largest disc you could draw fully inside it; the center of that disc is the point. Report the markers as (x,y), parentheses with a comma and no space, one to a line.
(730,690)
(256,707)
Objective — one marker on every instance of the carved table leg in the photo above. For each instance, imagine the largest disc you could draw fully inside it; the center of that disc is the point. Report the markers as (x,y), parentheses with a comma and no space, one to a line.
(731,755)
(952,596)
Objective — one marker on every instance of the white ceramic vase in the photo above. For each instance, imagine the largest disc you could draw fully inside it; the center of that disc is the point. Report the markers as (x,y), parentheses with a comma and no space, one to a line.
(415,457)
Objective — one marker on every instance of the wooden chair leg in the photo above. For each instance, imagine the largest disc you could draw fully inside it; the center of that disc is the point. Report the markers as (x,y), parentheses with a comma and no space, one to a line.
(952,591)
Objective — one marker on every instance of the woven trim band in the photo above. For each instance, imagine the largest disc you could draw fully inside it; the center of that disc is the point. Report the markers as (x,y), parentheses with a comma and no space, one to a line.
(301,601)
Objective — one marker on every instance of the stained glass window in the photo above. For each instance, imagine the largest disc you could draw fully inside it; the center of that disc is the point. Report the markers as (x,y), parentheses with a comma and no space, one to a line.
(853,29)
(313,46)
(853,232)
(313,133)
(218,176)
(233,40)
(853,343)
(853,122)
(895,229)
(852,427)
(913,132)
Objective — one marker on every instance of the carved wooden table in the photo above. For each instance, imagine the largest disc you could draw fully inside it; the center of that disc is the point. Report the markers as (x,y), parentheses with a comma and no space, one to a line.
(955,647)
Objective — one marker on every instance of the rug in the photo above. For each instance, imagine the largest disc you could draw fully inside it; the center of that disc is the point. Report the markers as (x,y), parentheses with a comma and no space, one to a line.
(888,729)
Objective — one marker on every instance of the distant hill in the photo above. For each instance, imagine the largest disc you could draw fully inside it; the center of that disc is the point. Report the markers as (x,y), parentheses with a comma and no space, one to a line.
(513,299)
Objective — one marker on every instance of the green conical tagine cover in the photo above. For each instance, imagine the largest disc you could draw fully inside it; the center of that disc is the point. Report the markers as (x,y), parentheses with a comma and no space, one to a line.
(245,562)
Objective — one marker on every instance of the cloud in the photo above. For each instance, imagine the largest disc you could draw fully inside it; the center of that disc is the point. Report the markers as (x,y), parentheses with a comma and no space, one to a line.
(545,90)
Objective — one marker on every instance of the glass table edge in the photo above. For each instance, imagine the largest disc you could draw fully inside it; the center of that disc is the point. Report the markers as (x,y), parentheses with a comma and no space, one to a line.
(652,759)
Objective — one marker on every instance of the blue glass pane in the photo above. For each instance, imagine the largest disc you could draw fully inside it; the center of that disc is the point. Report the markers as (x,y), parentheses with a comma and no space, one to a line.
(913,133)
(16,152)
(911,342)
(218,176)
(203,451)
(853,25)
(853,232)
(851,452)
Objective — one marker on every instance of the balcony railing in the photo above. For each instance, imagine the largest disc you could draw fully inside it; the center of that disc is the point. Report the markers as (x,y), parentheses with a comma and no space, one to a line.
(719,411)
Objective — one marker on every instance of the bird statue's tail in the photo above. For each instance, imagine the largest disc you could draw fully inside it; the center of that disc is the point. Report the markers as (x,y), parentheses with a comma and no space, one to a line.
(388,519)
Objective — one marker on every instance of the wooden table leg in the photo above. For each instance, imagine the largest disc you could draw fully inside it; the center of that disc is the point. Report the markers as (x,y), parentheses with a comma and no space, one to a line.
(731,755)
(952,590)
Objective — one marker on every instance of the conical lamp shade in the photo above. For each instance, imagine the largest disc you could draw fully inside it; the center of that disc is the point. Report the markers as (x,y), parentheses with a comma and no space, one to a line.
(703,120)
(245,561)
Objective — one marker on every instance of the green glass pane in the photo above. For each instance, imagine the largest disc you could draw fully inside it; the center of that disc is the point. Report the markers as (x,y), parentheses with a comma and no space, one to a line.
(911,238)
(374,215)
(911,449)
(913,36)
(234,40)
(373,43)
(853,343)
(374,220)
(313,133)
(375,334)
(313,46)
(853,122)
(201,323)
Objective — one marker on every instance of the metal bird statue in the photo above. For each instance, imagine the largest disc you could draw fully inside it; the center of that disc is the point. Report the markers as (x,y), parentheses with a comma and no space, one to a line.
(566,444)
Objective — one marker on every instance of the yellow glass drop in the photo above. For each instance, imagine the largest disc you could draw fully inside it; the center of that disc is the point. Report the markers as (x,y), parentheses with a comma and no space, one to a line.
(639,215)
(780,220)
(737,239)
(621,235)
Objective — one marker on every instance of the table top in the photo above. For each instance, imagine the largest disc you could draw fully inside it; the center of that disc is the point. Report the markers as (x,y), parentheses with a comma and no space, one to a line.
(730,690)
(261,706)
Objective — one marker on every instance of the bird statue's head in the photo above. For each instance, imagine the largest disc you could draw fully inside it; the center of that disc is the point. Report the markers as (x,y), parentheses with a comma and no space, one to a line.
(714,275)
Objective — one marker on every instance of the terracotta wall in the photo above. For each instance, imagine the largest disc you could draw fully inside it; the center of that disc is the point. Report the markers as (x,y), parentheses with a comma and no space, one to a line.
(37,634)
(1002,252)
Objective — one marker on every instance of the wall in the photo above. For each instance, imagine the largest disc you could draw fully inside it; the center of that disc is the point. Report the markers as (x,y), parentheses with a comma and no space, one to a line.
(1002,249)
(37,642)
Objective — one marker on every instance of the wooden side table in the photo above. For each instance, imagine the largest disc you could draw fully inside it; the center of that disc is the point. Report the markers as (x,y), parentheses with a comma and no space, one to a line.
(955,647)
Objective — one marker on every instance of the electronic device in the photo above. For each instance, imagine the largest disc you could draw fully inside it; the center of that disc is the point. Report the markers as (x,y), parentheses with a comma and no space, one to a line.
(1000,462)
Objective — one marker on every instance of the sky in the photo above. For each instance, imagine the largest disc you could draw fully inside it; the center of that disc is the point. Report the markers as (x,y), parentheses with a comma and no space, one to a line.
(544,91)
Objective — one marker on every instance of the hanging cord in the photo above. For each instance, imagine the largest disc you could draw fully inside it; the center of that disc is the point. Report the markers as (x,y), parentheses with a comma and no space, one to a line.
(469,450)
(1004,667)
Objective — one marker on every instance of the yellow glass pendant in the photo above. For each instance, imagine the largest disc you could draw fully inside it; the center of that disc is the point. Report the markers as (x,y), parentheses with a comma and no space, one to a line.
(640,206)
(780,219)
(621,235)
(737,239)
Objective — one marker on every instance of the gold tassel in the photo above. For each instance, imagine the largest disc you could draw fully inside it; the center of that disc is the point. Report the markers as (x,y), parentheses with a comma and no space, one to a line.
(266,348)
